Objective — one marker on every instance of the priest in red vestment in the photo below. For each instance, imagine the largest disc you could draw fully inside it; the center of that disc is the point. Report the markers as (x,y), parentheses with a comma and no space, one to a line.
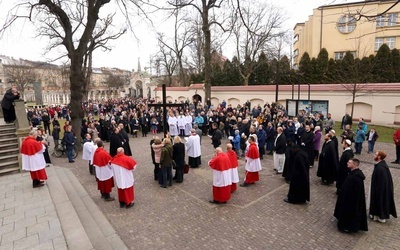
(233,164)
(253,163)
(33,159)
(123,166)
(104,172)
(222,177)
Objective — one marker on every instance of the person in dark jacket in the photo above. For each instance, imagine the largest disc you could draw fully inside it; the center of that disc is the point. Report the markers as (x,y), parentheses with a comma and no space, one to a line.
(7,104)
(279,151)
(289,158)
(350,209)
(307,144)
(179,157)
(343,169)
(270,131)
(56,131)
(261,137)
(125,139)
(69,140)
(299,189)
(166,163)
(115,141)
(216,136)
(371,137)
(382,194)
(328,162)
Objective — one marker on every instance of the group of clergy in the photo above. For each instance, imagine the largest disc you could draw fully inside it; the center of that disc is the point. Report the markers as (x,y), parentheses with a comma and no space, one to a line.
(225,173)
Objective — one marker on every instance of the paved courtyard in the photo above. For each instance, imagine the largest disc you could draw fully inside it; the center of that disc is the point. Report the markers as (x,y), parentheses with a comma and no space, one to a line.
(180,217)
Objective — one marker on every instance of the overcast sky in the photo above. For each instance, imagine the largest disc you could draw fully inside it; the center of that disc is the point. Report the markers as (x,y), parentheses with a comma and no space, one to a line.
(21,43)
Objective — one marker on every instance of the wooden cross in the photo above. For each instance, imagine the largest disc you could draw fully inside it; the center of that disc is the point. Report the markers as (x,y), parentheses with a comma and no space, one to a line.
(164,106)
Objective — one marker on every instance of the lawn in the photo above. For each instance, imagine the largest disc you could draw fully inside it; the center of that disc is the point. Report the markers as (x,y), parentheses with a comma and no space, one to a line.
(385,133)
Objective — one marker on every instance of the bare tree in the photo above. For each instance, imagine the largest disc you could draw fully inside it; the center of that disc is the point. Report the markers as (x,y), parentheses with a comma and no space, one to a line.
(257,24)
(207,10)
(167,58)
(78,27)
(181,40)
(20,75)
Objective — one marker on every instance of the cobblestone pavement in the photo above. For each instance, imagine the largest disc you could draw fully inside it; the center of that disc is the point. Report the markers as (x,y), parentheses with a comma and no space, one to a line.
(28,219)
(180,217)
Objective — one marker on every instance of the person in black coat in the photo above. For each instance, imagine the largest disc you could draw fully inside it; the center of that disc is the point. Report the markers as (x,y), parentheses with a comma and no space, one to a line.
(270,131)
(125,139)
(216,137)
(299,190)
(7,104)
(343,170)
(350,209)
(289,158)
(307,144)
(144,124)
(56,131)
(382,195)
(178,155)
(69,140)
(328,162)
(115,142)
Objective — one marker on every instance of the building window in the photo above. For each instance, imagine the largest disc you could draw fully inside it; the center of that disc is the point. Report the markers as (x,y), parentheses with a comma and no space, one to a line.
(380,21)
(340,54)
(391,42)
(392,19)
(346,24)
(378,43)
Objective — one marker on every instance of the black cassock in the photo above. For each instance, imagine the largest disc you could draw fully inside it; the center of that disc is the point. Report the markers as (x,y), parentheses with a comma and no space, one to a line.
(350,209)
(115,143)
(125,139)
(308,139)
(289,158)
(343,170)
(328,163)
(299,190)
(382,201)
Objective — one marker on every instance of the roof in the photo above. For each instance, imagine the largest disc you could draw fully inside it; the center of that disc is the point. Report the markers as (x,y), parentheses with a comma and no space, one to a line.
(376,87)
(354,3)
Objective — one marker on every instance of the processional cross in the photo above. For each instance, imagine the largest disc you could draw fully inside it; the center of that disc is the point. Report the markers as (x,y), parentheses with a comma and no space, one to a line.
(164,106)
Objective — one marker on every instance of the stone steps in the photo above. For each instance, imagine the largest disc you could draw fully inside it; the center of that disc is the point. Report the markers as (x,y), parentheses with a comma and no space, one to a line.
(9,149)
(83,224)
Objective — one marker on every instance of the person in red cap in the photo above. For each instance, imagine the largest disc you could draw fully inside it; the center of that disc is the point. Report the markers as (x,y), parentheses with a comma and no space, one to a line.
(253,163)
(104,173)
(233,164)
(222,177)
(33,160)
(123,166)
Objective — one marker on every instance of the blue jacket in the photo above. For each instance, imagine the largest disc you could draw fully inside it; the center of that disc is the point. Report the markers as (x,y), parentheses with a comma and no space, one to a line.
(360,136)
(236,141)
(261,137)
(69,140)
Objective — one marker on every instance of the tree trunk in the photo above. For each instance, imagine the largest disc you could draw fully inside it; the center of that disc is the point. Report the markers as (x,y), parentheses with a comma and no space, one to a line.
(207,52)
(352,102)
(77,79)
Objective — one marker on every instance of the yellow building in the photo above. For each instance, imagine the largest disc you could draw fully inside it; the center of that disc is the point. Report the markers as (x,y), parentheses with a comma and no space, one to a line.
(357,27)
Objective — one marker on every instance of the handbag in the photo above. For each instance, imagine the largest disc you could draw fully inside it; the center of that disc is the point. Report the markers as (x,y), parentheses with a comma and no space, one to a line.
(186,169)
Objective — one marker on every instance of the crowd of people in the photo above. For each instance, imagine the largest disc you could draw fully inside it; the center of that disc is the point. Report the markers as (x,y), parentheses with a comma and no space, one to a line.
(295,144)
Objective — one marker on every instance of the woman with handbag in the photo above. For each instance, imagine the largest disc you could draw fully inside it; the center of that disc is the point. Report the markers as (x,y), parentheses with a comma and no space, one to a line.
(179,159)
(156,147)
(166,163)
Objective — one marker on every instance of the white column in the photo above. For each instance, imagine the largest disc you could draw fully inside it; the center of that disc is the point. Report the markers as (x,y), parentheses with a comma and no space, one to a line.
(58,99)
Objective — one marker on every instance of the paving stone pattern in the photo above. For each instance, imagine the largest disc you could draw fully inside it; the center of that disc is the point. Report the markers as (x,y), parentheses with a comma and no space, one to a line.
(28,217)
(180,217)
